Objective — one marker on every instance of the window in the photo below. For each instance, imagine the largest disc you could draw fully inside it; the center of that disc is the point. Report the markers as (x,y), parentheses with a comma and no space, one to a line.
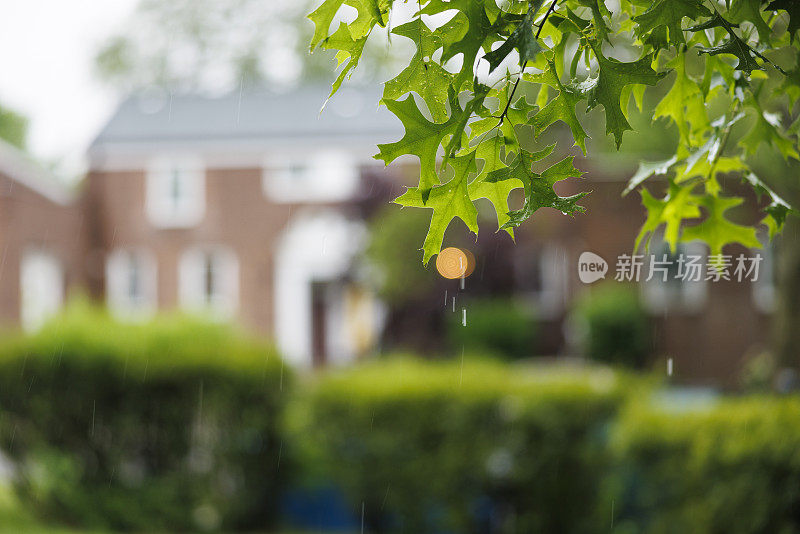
(678,281)
(327,176)
(209,281)
(175,195)
(131,283)
(41,288)
(540,272)
(764,285)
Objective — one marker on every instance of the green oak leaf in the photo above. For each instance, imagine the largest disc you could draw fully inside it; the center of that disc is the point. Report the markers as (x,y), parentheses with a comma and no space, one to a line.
(369,13)
(767,130)
(734,45)
(606,89)
(665,15)
(599,10)
(707,162)
(448,201)
(717,75)
(684,104)
(717,230)
(517,114)
(322,17)
(710,170)
(348,55)
(790,86)
(522,38)
(560,108)
(569,23)
(750,10)
(425,77)
(422,137)
(679,204)
(539,192)
(738,48)
(792,7)
(776,211)
(472,29)
(648,169)
(348,39)
(489,151)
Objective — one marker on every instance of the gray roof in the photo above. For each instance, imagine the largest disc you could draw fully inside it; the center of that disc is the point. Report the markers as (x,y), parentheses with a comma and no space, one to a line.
(253,114)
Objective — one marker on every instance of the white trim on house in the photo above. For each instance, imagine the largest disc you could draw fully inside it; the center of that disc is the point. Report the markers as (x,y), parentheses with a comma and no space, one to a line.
(544,269)
(17,166)
(764,292)
(674,295)
(131,283)
(41,287)
(226,154)
(175,191)
(208,281)
(323,176)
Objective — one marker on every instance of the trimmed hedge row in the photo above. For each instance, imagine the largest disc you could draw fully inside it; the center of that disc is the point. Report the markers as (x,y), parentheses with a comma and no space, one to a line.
(732,468)
(431,447)
(171,425)
(178,425)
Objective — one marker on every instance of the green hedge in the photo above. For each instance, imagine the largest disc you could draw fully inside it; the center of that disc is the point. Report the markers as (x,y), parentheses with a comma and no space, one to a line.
(615,326)
(167,425)
(498,326)
(732,468)
(428,446)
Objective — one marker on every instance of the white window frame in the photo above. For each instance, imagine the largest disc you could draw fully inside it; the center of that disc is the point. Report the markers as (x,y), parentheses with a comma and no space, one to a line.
(324,176)
(764,291)
(192,281)
(658,295)
(41,287)
(160,206)
(553,260)
(118,299)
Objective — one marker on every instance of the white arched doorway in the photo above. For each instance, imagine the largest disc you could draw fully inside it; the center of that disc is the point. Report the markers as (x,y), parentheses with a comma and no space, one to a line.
(315,308)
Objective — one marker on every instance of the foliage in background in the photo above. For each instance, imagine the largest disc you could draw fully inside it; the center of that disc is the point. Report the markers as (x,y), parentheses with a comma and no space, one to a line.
(392,250)
(218,45)
(730,468)
(429,447)
(614,327)
(13,127)
(498,326)
(734,63)
(170,425)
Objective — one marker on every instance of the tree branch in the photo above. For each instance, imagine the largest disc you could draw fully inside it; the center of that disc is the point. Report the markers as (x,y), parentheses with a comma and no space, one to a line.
(525,64)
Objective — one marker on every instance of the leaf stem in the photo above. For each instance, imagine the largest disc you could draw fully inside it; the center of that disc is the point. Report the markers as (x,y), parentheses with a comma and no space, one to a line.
(723,142)
(525,63)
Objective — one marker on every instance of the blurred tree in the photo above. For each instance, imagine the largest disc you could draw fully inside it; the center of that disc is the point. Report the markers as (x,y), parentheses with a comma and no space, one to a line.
(219,45)
(13,127)
(393,249)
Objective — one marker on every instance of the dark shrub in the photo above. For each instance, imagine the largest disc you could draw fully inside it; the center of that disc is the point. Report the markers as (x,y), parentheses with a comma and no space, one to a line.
(167,425)
(614,326)
(496,326)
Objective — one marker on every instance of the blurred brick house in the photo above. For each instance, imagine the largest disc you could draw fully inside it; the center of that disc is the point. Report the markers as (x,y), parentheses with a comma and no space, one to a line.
(708,328)
(248,206)
(42,240)
(252,207)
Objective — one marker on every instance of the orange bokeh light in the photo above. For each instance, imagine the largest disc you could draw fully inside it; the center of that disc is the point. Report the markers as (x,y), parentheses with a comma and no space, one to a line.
(455,263)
